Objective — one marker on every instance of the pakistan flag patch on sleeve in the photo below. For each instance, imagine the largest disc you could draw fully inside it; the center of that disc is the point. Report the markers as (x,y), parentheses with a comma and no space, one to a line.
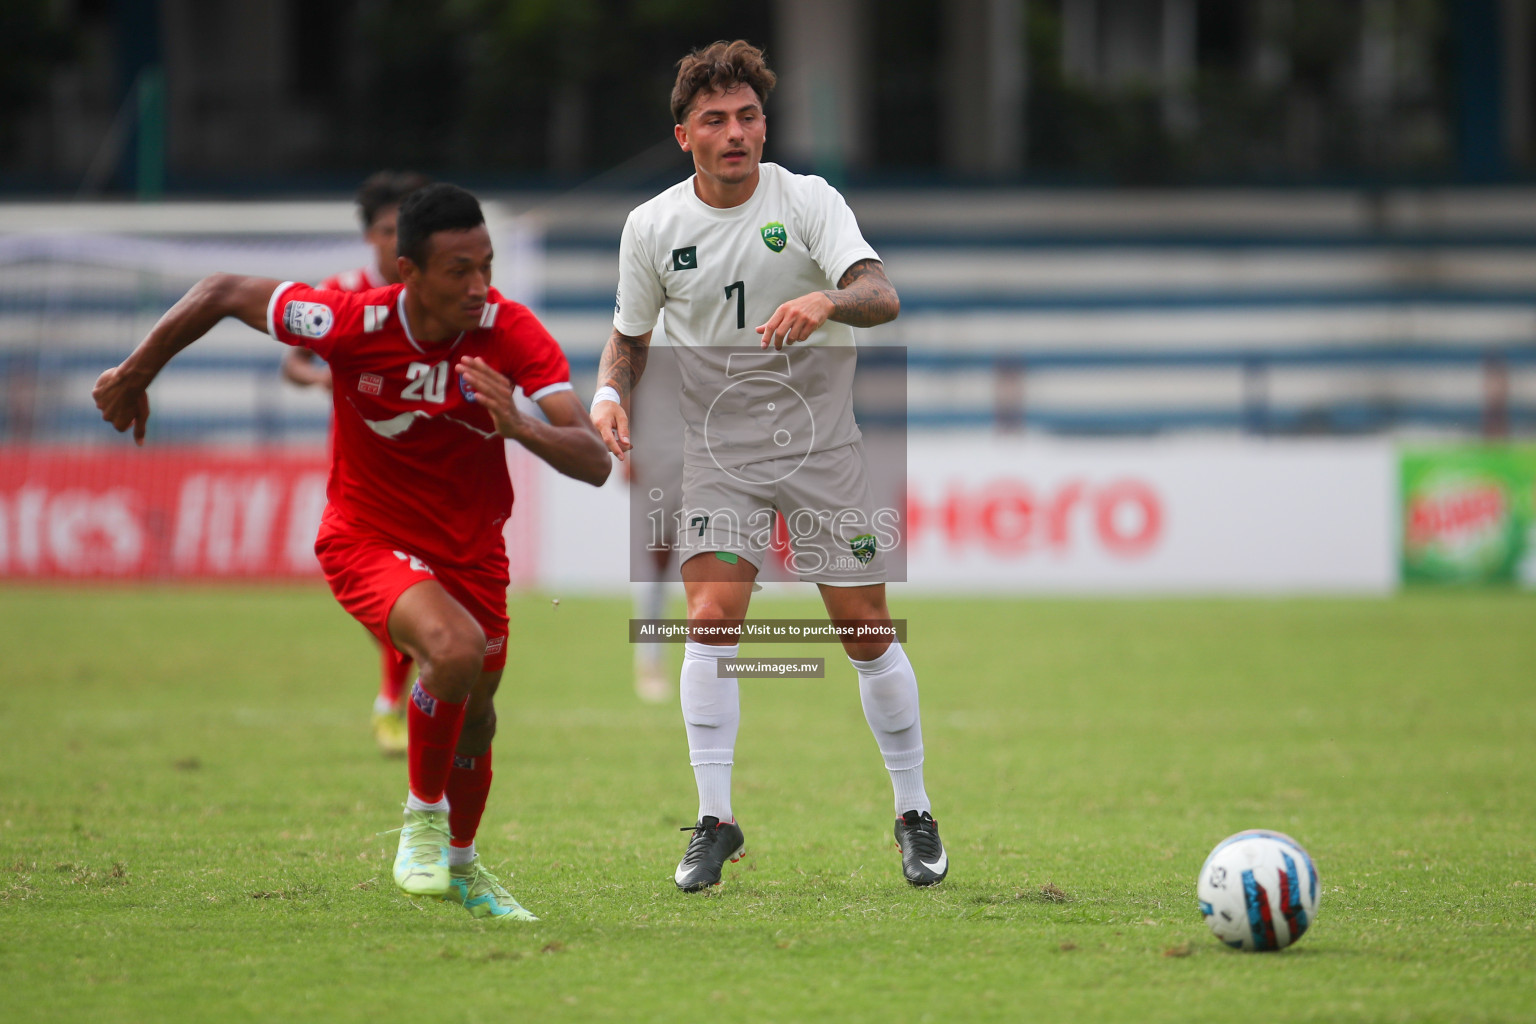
(774,236)
(863,547)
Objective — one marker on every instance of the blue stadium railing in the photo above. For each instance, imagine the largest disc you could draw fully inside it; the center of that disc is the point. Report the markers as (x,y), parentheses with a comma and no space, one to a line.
(1151,300)
(599,301)
(1496,414)
(597,240)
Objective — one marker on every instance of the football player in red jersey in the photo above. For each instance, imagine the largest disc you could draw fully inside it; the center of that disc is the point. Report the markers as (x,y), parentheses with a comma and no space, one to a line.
(411,540)
(378,204)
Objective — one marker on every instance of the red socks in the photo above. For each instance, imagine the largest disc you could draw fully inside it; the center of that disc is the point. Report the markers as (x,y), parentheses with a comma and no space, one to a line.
(394,670)
(434,733)
(436,771)
(468,785)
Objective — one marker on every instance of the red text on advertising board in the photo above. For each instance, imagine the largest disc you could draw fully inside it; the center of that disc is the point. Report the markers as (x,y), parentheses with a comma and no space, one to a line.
(1456,513)
(1010,518)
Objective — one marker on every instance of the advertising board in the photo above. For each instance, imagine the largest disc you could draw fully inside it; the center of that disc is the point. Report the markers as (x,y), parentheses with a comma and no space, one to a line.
(1182,516)
(986,514)
(1469,515)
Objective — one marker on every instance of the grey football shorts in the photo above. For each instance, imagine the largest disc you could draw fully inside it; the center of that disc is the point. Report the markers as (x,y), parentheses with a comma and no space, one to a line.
(836,535)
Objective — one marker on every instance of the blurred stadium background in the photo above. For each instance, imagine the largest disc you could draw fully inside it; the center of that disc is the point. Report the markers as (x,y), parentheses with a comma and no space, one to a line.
(1198,296)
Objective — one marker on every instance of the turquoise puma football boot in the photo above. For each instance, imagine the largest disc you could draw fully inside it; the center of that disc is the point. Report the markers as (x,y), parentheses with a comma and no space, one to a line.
(474,888)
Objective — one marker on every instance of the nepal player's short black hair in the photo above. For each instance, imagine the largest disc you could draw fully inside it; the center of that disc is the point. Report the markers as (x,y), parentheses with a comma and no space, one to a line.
(385,189)
(440,207)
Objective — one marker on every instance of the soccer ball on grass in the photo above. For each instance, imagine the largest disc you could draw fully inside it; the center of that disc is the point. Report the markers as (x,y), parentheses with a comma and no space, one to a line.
(1258,890)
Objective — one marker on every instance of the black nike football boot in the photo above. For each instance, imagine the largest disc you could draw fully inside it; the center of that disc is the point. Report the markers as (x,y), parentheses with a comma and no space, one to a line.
(714,842)
(923,859)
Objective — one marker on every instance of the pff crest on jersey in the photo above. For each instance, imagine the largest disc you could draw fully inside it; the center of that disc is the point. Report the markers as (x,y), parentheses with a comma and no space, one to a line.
(775,236)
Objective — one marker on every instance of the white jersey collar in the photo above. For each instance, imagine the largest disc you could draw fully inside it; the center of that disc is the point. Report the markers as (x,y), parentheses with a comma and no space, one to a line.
(406,326)
(753,200)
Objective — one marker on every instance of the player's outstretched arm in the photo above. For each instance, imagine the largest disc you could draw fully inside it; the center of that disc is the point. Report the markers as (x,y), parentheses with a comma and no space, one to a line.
(122,392)
(567,442)
(618,372)
(304,368)
(864,297)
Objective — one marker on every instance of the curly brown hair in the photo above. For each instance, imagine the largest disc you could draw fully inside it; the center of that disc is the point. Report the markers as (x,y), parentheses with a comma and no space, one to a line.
(720,65)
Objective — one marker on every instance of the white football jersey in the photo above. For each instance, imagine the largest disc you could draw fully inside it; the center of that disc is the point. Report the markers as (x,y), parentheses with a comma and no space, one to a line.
(721,273)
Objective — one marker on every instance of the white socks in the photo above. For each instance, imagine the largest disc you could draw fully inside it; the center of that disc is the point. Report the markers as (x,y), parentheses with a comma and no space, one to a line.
(458,856)
(712,715)
(650,602)
(888,691)
(416,803)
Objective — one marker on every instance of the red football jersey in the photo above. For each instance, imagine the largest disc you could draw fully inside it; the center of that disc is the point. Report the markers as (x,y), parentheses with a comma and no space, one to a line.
(359,280)
(414,460)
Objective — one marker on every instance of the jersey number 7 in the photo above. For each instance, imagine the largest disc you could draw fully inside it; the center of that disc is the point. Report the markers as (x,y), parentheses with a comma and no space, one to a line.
(740,288)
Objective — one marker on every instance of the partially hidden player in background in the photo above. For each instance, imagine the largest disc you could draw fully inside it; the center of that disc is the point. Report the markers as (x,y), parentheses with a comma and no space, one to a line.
(411,539)
(739,243)
(378,205)
(657,422)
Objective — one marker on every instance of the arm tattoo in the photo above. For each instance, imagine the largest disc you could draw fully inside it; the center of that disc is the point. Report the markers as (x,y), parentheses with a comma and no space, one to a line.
(622,363)
(864,297)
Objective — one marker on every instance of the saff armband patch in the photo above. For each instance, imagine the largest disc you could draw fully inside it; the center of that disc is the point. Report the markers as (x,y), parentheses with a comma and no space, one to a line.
(307,319)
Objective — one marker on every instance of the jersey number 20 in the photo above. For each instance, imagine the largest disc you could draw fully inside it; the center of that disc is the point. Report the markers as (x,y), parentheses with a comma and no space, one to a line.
(428,383)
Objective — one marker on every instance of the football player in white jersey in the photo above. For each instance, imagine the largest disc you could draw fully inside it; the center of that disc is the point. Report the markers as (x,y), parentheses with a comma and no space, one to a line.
(745,252)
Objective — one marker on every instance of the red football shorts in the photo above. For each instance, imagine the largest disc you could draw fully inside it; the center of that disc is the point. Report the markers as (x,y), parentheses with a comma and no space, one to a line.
(368,574)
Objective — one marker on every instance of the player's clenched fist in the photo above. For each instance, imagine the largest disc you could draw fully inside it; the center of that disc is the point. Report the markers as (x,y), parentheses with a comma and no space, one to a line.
(796,320)
(612,426)
(123,402)
(493,391)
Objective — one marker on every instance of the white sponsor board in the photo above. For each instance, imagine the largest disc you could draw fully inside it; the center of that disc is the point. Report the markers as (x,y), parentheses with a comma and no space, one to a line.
(1182,516)
(583,533)
(986,514)
(992,514)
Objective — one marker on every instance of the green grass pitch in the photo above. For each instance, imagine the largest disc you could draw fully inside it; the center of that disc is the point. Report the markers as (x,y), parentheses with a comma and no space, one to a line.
(191,809)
